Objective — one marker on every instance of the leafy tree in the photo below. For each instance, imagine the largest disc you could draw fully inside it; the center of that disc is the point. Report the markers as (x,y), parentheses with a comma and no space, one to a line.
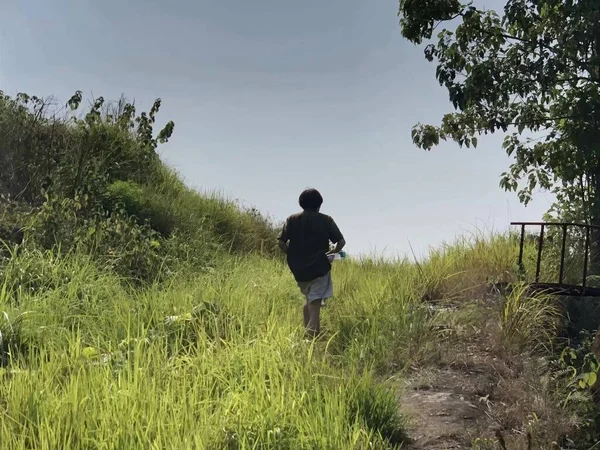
(532,72)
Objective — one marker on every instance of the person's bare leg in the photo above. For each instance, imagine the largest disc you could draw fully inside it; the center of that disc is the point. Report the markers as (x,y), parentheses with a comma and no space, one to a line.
(306,314)
(314,321)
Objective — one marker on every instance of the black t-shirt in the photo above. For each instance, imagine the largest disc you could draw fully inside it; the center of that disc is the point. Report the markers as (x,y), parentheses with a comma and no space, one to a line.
(309,234)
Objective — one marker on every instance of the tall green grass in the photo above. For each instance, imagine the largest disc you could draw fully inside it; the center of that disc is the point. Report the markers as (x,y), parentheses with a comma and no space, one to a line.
(528,322)
(238,229)
(139,313)
(218,359)
(217,363)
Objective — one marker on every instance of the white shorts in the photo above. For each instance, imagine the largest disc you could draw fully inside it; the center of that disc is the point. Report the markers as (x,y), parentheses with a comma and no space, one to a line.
(318,289)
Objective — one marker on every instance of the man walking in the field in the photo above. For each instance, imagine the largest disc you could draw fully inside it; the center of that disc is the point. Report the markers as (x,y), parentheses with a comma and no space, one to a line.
(305,239)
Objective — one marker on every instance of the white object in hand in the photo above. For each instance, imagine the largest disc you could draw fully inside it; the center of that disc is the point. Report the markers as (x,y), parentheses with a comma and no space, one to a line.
(336,256)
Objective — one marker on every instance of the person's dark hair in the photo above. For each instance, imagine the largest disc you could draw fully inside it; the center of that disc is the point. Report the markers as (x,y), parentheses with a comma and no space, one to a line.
(310,199)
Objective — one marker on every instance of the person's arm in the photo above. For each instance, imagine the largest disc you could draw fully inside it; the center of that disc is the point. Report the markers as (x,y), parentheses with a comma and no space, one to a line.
(336,236)
(283,245)
(338,246)
(282,240)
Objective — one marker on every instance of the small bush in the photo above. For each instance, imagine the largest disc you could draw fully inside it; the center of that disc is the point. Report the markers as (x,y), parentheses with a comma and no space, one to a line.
(45,147)
(144,204)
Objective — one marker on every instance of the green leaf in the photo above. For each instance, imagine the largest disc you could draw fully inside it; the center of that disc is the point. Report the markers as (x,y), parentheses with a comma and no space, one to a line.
(516,69)
(590,378)
(90,352)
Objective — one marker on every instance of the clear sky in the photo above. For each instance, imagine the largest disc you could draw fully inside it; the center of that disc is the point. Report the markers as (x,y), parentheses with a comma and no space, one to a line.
(272,96)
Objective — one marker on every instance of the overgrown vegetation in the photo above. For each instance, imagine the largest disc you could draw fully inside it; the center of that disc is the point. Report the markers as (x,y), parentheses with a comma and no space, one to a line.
(95,185)
(137,313)
(531,71)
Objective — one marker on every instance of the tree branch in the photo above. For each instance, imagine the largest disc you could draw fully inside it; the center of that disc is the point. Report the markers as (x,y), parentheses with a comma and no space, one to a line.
(526,124)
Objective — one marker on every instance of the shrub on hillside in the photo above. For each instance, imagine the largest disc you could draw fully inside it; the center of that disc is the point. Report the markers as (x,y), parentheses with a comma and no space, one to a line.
(116,241)
(11,224)
(142,203)
(214,219)
(42,147)
(96,184)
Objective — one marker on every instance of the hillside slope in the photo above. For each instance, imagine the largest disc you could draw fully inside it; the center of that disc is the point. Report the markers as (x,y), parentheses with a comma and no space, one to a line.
(138,313)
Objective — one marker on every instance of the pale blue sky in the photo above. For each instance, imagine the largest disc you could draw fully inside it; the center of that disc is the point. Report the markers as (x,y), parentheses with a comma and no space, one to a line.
(272,96)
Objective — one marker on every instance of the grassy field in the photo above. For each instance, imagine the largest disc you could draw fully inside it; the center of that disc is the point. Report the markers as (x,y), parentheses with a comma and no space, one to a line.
(218,360)
(138,313)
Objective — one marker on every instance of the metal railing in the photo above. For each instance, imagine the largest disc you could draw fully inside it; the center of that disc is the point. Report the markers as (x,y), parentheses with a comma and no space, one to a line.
(560,287)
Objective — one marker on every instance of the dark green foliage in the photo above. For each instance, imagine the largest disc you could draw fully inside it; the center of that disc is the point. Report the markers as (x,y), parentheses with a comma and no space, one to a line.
(575,373)
(533,68)
(44,148)
(11,228)
(117,242)
(96,184)
(140,202)
(15,338)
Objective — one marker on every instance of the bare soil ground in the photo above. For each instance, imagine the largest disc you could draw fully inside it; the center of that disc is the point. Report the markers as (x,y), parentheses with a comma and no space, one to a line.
(450,407)
(472,396)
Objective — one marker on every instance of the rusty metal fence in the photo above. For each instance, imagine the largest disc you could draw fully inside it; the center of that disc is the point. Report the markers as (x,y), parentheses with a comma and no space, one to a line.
(560,287)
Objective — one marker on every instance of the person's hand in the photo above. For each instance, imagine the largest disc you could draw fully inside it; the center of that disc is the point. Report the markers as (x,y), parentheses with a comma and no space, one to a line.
(330,257)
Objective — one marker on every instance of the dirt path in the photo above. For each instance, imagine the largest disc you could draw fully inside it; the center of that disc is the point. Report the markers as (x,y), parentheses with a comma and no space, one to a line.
(458,401)
(448,409)
(475,389)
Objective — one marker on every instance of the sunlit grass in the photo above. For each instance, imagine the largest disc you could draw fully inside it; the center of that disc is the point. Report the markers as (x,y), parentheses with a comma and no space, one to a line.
(217,363)
(219,360)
